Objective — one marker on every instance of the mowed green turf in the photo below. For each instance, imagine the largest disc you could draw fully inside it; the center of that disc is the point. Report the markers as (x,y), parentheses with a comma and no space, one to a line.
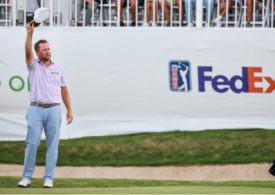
(154,149)
(124,186)
(143,190)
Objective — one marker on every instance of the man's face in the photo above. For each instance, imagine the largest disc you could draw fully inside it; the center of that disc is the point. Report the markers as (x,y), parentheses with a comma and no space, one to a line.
(44,52)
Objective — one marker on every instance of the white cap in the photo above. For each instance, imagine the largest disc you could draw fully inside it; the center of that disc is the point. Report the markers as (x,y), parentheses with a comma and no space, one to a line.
(41,14)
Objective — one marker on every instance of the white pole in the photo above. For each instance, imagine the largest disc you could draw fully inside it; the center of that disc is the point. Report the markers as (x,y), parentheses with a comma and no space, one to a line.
(145,11)
(59,12)
(272,7)
(51,13)
(110,12)
(75,14)
(180,16)
(6,13)
(189,10)
(128,15)
(171,13)
(25,7)
(13,13)
(218,13)
(93,15)
(84,13)
(162,13)
(101,13)
(136,12)
(67,14)
(208,13)
(263,13)
(118,12)
(226,19)
(236,14)
(254,7)
(245,8)
(154,11)
(199,13)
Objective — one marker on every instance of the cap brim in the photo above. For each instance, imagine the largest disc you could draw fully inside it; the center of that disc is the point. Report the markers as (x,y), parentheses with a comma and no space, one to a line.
(35,23)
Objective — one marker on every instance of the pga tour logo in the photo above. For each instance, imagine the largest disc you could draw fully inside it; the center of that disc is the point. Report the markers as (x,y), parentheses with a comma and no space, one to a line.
(180,75)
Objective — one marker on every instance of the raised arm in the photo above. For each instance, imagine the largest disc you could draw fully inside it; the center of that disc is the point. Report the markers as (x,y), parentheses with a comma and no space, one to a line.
(28,44)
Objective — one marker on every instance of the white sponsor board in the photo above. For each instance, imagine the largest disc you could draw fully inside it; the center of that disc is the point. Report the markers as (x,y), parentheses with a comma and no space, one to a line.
(147,80)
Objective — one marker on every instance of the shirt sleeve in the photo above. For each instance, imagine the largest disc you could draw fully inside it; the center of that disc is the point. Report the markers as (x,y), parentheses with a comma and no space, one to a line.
(63,79)
(31,66)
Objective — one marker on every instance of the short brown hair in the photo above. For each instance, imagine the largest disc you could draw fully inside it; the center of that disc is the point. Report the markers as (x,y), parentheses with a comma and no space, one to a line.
(37,44)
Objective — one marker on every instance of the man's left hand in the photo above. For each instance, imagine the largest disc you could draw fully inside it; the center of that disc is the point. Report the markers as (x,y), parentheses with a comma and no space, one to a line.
(69,117)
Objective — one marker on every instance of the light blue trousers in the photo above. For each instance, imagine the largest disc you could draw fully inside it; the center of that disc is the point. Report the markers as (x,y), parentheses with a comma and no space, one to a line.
(209,4)
(39,118)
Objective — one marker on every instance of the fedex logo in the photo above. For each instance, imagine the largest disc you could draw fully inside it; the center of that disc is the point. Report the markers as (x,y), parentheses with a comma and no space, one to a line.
(248,79)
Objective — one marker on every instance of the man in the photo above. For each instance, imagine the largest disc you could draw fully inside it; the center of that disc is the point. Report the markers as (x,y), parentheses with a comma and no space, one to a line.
(48,86)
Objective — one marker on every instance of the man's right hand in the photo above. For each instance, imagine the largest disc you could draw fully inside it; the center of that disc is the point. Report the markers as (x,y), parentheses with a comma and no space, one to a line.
(30,28)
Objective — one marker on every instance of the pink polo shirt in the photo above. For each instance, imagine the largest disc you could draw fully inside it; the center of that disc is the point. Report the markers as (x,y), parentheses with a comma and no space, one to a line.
(46,82)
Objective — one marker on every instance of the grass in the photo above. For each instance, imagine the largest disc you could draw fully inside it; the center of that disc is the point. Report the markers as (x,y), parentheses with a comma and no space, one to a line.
(154,149)
(124,186)
(143,190)
(11,182)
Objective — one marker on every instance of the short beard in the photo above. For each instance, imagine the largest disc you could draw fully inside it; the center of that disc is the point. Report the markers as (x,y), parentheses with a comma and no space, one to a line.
(46,59)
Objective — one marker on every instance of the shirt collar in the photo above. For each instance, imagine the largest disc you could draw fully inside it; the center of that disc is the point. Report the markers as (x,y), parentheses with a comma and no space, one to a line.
(41,63)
